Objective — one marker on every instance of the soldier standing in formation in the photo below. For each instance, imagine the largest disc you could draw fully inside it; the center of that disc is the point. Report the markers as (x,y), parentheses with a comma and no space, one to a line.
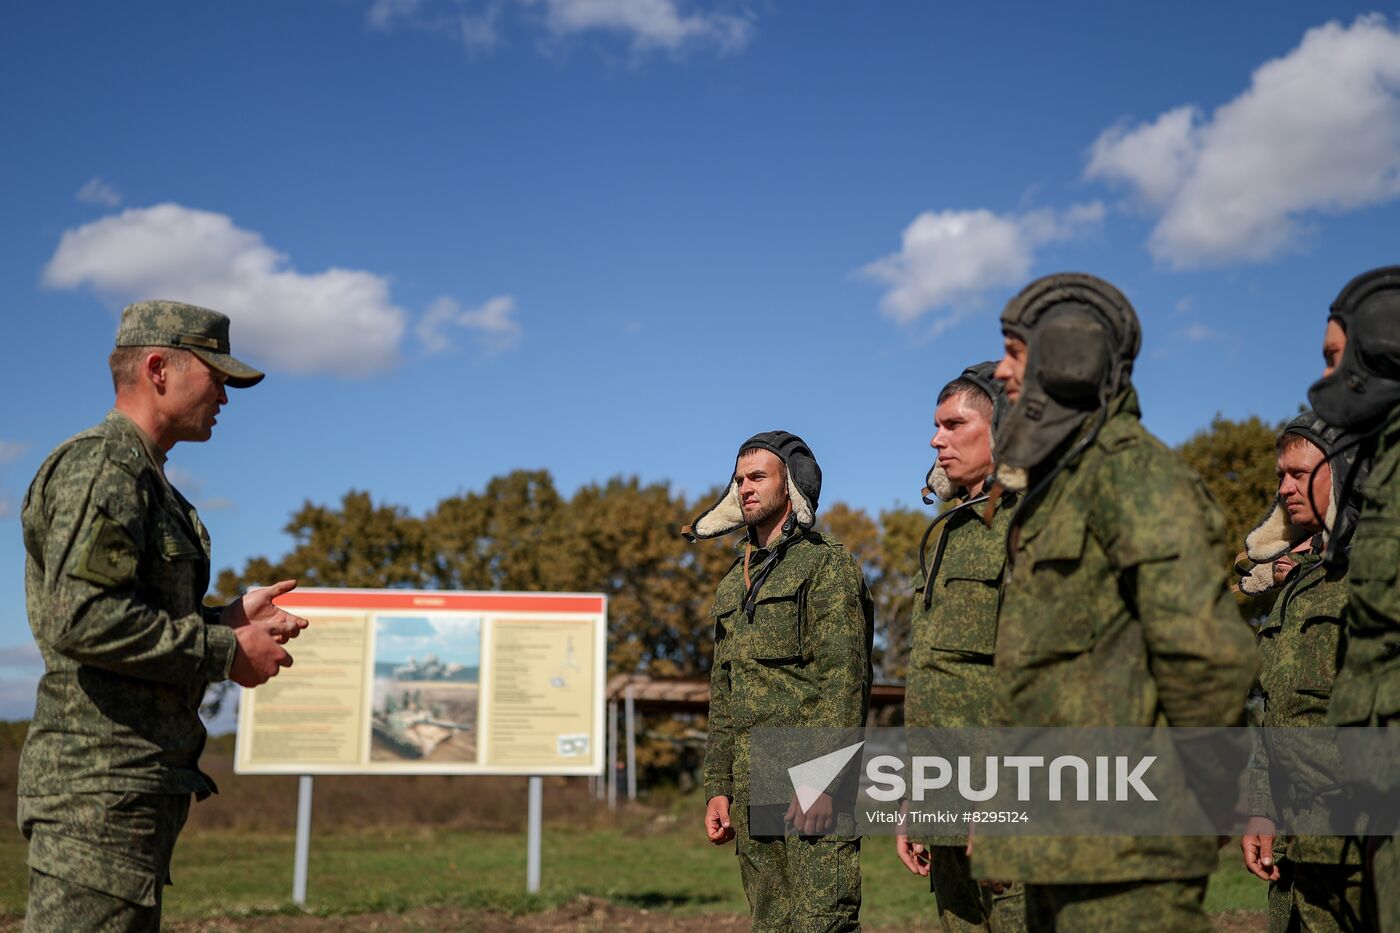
(1117,534)
(951,682)
(1314,880)
(1362,396)
(794,624)
(116,568)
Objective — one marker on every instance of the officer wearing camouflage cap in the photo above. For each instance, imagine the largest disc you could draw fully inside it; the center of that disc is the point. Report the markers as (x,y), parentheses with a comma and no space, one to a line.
(794,624)
(116,568)
(1314,881)
(951,681)
(1362,396)
(1115,609)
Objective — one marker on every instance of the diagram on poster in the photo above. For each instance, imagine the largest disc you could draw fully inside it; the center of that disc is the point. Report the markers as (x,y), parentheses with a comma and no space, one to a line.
(395,681)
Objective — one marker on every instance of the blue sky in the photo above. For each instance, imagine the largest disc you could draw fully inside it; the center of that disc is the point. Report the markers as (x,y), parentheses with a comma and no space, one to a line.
(451,639)
(619,236)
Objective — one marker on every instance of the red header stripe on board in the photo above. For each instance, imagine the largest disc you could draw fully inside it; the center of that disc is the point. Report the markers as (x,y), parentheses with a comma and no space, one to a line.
(472,602)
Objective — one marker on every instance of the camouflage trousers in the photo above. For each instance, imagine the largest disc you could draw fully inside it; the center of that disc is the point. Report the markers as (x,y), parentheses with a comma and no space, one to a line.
(1175,906)
(965,905)
(809,884)
(99,861)
(1313,897)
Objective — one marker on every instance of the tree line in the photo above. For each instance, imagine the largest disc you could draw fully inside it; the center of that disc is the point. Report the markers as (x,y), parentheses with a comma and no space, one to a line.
(620,537)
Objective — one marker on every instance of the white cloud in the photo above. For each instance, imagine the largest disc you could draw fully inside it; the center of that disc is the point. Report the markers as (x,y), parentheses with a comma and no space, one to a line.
(97,191)
(1201,333)
(949,258)
(492,325)
(384,13)
(7,505)
(12,450)
(648,23)
(667,25)
(338,321)
(1318,130)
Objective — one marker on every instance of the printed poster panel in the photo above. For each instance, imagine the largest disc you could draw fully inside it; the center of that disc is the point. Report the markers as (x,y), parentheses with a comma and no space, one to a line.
(433,682)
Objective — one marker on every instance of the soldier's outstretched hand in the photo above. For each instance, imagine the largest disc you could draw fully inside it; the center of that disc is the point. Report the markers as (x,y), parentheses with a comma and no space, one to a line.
(256,608)
(717,825)
(259,657)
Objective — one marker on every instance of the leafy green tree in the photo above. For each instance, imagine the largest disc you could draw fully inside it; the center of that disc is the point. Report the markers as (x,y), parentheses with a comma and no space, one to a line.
(1236,461)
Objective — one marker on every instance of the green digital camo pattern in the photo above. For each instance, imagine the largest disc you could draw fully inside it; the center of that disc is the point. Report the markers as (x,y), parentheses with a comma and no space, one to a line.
(99,861)
(1299,648)
(1115,612)
(803,660)
(951,684)
(800,883)
(967,906)
(1316,898)
(1367,689)
(117,563)
(1175,906)
(203,332)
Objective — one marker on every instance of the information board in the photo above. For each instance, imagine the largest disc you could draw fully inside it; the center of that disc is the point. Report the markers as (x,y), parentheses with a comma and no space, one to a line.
(433,682)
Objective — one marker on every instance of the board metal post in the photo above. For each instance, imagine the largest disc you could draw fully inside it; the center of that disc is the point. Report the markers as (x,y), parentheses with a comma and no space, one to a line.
(631,745)
(303,848)
(532,843)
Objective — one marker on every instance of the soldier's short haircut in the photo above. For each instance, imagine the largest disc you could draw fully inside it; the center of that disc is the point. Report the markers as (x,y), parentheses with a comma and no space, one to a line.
(125,361)
(1287,442)
(969,390)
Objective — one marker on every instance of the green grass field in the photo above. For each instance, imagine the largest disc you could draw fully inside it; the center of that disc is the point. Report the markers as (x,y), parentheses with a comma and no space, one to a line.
(658,863)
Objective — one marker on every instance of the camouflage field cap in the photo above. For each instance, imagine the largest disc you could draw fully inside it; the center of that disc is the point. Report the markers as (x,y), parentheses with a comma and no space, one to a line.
(187,327)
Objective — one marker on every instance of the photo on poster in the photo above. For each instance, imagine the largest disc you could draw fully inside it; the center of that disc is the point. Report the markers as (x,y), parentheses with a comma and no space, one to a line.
(426,678)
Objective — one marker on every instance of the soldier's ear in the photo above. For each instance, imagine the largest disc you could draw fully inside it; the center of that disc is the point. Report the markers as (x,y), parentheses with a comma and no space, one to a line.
(153,368)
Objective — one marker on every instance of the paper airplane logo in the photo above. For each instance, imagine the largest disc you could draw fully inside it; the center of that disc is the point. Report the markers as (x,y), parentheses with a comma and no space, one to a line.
(811,778)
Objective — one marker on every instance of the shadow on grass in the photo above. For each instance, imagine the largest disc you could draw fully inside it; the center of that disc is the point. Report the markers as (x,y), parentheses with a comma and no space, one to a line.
(663,900)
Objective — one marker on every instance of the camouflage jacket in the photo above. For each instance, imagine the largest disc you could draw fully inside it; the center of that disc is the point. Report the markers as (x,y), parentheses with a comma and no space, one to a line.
(951,683)
(1115,612)
(802,660)
(116,567)
(1367,689)
(1300,644)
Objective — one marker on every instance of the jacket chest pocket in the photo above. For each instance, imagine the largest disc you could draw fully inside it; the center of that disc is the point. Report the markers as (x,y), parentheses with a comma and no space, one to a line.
(1060,589)
(776,633)
(962,613)
(179,575)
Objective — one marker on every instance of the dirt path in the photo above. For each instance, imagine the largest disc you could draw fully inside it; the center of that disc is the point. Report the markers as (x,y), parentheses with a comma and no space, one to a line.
(583,914)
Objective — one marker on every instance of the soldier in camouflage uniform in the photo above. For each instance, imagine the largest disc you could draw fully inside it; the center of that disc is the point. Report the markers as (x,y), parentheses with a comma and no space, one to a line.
(793,631)
(1362,396)
(1115,609)
(1314,881)
(950,683)
(117,564)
